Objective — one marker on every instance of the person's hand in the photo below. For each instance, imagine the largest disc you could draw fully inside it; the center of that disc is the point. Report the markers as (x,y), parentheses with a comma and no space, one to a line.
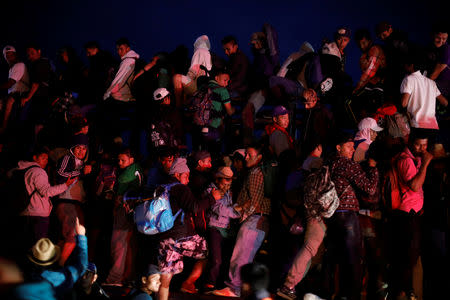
(217,194)
(71,180)
(238,208)
(427,157)
(372,162)
(87,169)
(79,229)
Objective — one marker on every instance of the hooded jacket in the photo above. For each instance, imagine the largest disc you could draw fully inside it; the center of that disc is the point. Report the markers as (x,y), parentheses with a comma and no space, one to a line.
(120,86)
(201,56)
(70,166)
(37,179)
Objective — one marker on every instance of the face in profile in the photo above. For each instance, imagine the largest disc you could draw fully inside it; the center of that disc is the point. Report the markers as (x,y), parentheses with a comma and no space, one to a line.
(122,50)
(124,160)
(252,157)
(151,283)
(346,150)
(230,48)
(33,54)
(222,79)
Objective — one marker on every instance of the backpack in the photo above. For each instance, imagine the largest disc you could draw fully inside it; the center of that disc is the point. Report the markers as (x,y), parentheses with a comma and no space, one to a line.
(270,170)
(201,106)
(16,192)
(397,125)
(155,216)
(320,196)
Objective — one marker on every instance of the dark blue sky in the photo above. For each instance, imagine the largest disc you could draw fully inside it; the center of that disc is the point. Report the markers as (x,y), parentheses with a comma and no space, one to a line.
(162,25)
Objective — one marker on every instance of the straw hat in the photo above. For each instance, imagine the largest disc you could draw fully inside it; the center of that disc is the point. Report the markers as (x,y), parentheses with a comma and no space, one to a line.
(44,252)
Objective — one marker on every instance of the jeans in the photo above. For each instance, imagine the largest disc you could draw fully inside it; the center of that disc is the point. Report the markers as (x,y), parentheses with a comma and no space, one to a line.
(344,248)
(315,232)
(250,237)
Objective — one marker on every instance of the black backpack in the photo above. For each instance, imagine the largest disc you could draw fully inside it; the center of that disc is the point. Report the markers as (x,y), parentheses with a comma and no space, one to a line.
(17,195)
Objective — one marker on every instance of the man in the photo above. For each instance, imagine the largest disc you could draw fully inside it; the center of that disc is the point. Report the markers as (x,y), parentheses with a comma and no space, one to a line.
(419,95)
(341,40)
(166,124)
(441,71)
(255,212)
(372,63)
(279,138)
(344,243)
(372,60)
(99,74)
(69,203)
(120,103)
(42,88)
(17,84)
(238,65)
(119,89)
(159,173)
(410,167)
(36,217)
(199,181)
(318,122)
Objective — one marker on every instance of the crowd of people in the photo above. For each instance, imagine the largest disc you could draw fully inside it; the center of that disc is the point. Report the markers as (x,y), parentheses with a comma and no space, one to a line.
(284,179)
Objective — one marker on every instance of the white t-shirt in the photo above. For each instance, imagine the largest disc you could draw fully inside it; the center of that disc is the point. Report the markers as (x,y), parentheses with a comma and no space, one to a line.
(422,103)
(19,73)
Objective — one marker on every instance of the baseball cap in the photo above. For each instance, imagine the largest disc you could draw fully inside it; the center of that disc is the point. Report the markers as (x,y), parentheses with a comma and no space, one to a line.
(160,94)
(369,123)
(279,111)
(8,48)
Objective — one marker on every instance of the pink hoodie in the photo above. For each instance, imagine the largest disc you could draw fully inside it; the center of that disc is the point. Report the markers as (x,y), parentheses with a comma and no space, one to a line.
(37,179)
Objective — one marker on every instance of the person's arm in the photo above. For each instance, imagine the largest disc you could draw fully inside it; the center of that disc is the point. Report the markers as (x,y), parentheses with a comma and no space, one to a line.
(34,88)
(437,71)
(405,99)
(43,187)
(366,182)
(79,266)
(442,100)
(228,108)
(405,168)
(147,67)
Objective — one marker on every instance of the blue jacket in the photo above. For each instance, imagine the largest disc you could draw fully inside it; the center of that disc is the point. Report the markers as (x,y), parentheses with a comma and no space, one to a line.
(222,210)
(64,279)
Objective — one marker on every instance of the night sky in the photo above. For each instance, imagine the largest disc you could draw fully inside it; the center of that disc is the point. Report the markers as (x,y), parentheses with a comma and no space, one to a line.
(154,26)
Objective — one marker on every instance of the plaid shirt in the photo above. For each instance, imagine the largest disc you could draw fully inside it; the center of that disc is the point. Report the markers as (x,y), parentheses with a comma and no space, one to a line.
(251,197)
(347,174)
(371,62)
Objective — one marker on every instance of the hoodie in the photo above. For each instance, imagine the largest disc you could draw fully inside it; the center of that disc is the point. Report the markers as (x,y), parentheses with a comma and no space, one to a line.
(201,56)
(70,166)
(120,86)
(37,179)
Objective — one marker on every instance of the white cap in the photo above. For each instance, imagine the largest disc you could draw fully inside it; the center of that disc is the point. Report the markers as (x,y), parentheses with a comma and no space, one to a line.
(160,94)
(369,123)
(8,48)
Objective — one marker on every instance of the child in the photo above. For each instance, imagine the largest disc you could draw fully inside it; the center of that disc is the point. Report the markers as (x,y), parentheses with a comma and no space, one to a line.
(149,283)
(129,178)
(219,223)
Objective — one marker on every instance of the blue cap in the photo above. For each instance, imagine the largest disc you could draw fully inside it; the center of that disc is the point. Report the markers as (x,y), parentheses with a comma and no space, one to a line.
(279,111)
